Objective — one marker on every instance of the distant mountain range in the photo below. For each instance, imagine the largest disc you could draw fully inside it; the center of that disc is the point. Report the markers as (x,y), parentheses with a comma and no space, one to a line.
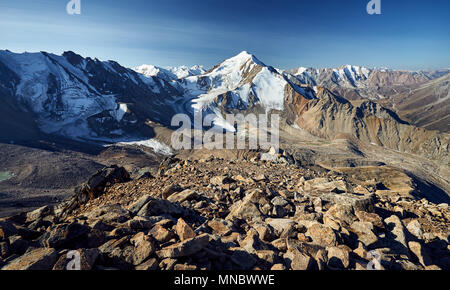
(399,90)
(169,73)
(89,99)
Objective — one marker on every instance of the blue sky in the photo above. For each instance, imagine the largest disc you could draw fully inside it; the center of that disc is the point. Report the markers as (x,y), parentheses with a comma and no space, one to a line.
(410,34)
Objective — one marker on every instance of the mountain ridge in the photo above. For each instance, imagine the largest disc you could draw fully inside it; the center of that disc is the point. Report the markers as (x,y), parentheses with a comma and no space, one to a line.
(90,99)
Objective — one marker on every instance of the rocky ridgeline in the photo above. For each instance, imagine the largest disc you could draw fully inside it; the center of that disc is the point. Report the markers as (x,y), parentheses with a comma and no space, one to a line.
(215,214)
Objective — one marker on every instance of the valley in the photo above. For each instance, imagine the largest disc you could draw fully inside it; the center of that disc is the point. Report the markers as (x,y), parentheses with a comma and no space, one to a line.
(86,148)
(71,112)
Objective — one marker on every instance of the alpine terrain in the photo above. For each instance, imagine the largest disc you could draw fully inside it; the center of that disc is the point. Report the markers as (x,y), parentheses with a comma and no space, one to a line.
(361,179)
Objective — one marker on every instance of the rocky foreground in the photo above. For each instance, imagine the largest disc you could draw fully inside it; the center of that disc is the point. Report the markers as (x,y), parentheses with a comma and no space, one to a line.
(263,211)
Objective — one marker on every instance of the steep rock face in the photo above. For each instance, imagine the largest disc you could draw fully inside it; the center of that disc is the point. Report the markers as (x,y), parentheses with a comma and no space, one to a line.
(396,78)
(234,78)
(346,76)
(330,115)
(241,83)
(355,82)
(427,106)
(83,97)
(420,97)
(16,124)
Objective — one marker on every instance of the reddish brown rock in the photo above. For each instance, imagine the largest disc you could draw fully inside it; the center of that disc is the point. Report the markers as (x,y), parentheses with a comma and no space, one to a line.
(183,230)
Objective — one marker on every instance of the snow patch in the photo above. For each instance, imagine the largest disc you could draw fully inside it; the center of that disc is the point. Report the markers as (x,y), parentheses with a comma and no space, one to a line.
(157,146)
(269,88)
(120,112)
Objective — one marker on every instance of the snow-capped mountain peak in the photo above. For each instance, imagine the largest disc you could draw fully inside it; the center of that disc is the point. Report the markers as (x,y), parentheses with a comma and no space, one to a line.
(169,73)
(238,83)
(184,71)
(236,62)
(91,99)
(147,70)
(300,71)
(83,97)
(154,71)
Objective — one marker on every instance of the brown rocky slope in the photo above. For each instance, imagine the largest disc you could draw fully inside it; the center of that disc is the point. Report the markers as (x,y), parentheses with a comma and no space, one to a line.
(223,214)
(329,116)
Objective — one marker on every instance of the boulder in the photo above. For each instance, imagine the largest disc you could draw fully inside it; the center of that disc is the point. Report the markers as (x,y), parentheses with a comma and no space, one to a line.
(157,207)
(415,228)
(4,250)
(185,248)
(332,223)
(265,232)
(7,229)
(342,212)
(220,226)
(140,223)
(321,258)
(150,265)
(109,214)
(248,207)
(184,267)
(39,213)
(268,257)
(283,227)
(161,234)
(242,259)
(101,226)
(94,239)
(280,244)
(121,231)
(137,205)
(108,247)
(242,179)
(279,201)
(323,184)
(123,258)
(299,261)
(252,243)
(170,189)
(365,232)
(38,259)
(259,178)
(167,264)
(88,257)
(420,253)
(221,180)
(269,157)
(358,202)
(17,245)
(183,230)
(64,235)
(143,248)
(317,203)
(322,235)
(397,235)
(181,197)
(95,187)
(372,218)
(338,257)
(278,267)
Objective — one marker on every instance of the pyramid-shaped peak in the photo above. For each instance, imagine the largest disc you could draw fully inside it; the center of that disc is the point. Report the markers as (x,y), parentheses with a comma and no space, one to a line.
(245,55)
(240,59)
